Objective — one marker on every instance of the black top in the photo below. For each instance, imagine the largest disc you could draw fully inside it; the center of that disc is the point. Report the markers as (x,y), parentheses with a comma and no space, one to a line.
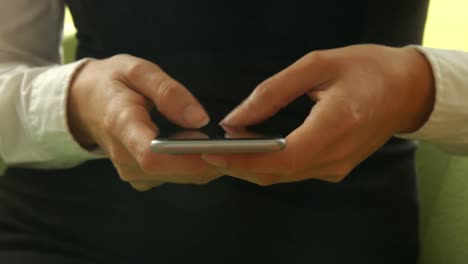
(220,50)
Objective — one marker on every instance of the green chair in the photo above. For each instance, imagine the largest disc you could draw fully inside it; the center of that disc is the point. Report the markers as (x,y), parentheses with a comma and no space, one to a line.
(444,206)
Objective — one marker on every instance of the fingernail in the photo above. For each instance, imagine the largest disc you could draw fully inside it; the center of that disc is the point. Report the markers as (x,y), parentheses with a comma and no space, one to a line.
(216,161)
(230,119)
(226,120)
(195,115)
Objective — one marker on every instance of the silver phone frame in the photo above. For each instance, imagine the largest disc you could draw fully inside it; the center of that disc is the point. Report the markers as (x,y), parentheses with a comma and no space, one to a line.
(188,146)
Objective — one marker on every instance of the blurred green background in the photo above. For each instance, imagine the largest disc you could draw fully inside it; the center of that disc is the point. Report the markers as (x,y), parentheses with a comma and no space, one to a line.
(443,178)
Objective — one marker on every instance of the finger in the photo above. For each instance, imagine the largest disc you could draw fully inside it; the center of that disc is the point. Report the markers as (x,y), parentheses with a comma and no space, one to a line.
(171,98)
(301,148)
(262,179)
(306,147)
(172,167)
(129,173)
(251,163)
(175,174)
(135,134)
(129,125)
(274,170)
(281,89)
(145,186)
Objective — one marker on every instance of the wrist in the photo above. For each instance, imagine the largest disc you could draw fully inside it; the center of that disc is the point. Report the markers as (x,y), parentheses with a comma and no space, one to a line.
(75,110)
(420,83)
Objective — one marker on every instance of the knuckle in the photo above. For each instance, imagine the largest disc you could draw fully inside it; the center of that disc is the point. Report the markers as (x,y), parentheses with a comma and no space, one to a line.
(114,120)
(355,113)
(124,173)
(268,92)
(119,156)
(265,90)
(116,116)
(123,116)
(120,59)
(146,163)
(138,68)
(317,57)
(166,89)
(202,180)
(352,114)
(340,173)
(109,122)
(205,177)
(264,180)
(141,187)
(125,177)
(135,69)
(332,179)
(115,125)
(131,141)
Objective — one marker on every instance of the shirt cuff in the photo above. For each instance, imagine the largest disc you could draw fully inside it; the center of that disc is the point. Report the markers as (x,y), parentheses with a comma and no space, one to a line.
(48,117)
(447,124)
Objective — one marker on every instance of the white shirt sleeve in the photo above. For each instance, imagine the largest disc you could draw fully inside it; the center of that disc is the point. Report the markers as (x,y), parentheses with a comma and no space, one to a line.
(447,126)
(34,87)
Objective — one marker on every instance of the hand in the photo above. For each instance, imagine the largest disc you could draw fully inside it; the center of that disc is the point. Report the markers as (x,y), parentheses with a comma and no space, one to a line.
(364,94)
(108,105)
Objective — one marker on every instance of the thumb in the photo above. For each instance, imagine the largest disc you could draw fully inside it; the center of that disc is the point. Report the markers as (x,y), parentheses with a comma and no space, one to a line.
(171,98)
(281,89)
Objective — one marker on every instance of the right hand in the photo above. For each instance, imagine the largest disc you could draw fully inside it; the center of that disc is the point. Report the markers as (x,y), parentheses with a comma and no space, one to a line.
(108,106)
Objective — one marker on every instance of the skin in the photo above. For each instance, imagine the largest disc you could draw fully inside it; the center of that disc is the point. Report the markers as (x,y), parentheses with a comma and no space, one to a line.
(108,106)
(364,94)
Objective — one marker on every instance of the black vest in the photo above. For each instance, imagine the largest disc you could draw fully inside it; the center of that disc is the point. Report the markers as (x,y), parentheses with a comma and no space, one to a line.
(220,50)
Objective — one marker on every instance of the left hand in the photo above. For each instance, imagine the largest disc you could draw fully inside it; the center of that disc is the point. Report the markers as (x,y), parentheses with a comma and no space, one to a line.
(364,94)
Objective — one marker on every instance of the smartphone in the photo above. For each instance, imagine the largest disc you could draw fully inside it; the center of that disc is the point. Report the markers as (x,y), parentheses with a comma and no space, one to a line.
(217,139)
